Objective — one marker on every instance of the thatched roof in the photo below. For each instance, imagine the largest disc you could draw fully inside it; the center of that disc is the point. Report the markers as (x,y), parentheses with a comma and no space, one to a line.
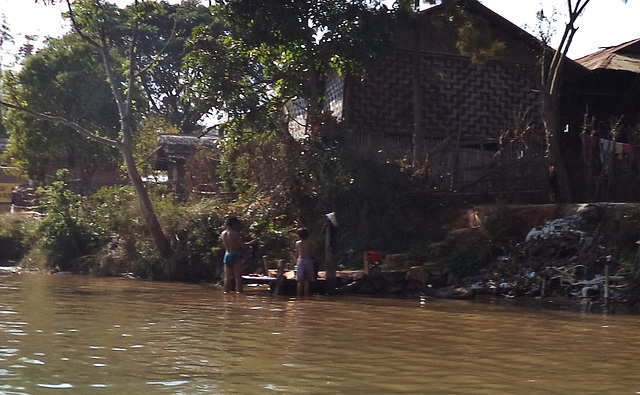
(178,147)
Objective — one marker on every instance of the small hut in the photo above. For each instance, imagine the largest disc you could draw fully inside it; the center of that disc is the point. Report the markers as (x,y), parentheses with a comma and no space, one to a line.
(173,152)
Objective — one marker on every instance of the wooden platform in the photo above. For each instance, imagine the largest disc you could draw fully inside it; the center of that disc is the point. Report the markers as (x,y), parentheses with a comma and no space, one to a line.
(287,287)
(260,280)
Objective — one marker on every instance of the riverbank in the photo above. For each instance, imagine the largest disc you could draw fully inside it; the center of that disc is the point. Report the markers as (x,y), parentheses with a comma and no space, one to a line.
(584,253)
(505,251)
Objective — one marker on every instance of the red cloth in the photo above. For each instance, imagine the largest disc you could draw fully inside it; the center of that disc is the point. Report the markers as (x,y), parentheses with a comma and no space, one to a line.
(590,144)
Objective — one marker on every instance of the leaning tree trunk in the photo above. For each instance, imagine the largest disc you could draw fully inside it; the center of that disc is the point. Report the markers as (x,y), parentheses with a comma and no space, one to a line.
(148,213)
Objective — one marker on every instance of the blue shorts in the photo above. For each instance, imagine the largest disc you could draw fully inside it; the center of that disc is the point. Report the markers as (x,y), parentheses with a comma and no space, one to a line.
(231,257)
(305,271)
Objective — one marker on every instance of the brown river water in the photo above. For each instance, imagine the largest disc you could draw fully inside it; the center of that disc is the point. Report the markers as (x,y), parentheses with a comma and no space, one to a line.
(79,335)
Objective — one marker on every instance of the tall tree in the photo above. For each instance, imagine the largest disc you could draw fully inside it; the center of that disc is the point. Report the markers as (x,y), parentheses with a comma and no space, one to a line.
(166,83)
(90,20)
(5,36)
(299,43)
(62,78)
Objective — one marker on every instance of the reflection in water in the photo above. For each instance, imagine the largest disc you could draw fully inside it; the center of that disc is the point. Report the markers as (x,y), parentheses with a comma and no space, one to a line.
(73,334)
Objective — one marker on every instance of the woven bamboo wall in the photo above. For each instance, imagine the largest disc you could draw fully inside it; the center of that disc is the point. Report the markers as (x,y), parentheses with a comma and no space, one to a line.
(470,105)
(479,100)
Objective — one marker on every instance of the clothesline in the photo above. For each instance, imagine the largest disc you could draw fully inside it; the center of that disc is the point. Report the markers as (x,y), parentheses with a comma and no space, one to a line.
(593,145)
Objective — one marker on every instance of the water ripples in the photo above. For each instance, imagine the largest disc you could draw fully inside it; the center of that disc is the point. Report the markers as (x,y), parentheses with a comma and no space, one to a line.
(78,334)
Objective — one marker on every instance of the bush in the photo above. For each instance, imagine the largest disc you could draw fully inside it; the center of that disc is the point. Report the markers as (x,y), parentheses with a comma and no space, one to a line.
(64,235)
(467,255)
(14,231)
(194,230)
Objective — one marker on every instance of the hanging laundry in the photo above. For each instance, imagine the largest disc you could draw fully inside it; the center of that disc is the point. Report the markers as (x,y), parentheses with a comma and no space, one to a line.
(589,144)
(619,150)
(606,150)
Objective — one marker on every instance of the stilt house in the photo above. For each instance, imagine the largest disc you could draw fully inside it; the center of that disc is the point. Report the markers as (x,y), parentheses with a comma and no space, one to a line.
(478,123)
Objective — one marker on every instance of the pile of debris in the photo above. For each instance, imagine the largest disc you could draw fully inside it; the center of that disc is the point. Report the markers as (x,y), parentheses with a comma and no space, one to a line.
(567,257)
(564,257)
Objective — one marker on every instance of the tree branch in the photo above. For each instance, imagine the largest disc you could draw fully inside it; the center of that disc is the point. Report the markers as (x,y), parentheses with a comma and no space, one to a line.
(156,59)
(78,29)
(52,118)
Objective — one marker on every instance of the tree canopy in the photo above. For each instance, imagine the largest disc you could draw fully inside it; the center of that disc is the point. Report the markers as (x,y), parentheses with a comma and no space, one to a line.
(167,81)
(64,79)
(286,49)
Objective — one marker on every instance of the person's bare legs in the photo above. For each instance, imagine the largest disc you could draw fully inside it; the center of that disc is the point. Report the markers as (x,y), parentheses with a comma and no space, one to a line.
(237,271)
(228,275)
(303,288)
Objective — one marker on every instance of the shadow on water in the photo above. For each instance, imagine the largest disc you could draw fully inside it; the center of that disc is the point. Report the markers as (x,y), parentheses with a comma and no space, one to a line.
(77,334)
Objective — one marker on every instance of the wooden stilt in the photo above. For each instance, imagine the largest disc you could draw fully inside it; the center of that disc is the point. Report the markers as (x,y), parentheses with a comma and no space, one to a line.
(329,261)
(279,288)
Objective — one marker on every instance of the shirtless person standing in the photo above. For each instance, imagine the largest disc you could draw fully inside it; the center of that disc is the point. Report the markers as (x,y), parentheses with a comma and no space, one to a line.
(234,253)
(305,273)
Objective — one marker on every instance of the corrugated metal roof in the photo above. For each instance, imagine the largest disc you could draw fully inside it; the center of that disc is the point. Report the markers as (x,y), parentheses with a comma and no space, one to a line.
(625,57)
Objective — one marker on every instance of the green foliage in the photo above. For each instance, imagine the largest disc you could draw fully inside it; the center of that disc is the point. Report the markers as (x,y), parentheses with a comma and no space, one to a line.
(196,231)
(342,34)
(261,60)
(3,130)
(497,227)
(114,211)
(474,41)
(146,142)
(467,256)
(64,235)
(275,234)
(148,264)
(193,229)
(367,191)
(300,182)
(225,73)
(62,79)
(202,171)
(168,83)
(116,214)
(14,233)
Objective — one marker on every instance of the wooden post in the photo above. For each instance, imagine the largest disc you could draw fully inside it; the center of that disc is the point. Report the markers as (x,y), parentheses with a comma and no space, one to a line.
(280,278)
(330,265)
(265,263)
(606,285)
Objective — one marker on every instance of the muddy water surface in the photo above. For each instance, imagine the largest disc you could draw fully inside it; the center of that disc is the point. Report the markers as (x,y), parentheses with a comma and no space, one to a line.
(78,335)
